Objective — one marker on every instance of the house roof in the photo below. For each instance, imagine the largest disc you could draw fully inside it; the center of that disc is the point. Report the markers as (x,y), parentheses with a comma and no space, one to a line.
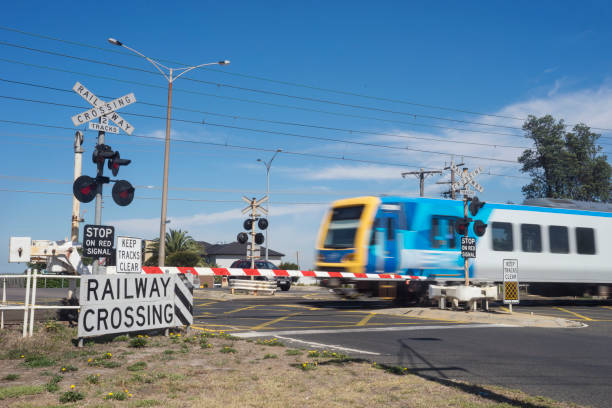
(233,248)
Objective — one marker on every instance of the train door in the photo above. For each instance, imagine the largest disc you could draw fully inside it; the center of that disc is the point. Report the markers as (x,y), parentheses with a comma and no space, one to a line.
(389,222)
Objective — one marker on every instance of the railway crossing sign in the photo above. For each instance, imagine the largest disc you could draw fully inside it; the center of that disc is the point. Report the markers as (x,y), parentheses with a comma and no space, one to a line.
(254,204)
(467,180)
(511,284)
(98,240)
(104,111)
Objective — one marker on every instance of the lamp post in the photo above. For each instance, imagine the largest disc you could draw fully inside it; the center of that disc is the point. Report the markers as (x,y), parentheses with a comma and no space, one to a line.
(170,76)
(268,164)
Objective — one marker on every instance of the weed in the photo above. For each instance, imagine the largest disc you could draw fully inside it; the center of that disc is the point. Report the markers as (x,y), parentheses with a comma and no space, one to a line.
(204,343)
(270,342)
(53,326)
(117,395)
(227,336)
(184,348)
(103,361)
(267,356)
(139,366)
(309,365)
(20,390)
(144,403)
(71,396)
(11,377)
(138,342)
(123,337)
(52,386)
(37,360)
(68,368)
(227,349)
(93,378)
(191,340)
(293,352)
(168,351)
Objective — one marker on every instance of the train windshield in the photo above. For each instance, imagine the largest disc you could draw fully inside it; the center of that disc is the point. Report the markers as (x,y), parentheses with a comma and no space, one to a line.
(343,227)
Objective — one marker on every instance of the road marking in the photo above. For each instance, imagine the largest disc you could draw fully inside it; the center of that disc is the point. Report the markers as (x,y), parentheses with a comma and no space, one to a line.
(365,320)
(300,307)
(505,309)
(573,313)
(321,345)
(271,322)
(241,309)
(254,333)
(607,307)
(208,303)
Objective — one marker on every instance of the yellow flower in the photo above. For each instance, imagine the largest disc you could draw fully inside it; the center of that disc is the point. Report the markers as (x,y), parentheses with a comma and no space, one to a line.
(72,386)
(179,334)
(63,368)
(126,390)
(89,360)
(98,375)
(22,356)
(130,395)
(110,393)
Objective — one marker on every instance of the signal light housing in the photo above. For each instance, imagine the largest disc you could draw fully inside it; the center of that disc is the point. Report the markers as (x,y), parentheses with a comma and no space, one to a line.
(475,205)
(461,226)
(248,224)
(123,193)
(259,238)
(85,188)
(115,162)
(262,223)
(101,153)
(243,237)
(479,228)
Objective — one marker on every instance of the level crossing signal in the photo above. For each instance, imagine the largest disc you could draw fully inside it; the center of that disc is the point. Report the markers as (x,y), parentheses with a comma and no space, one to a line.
(85,188)
(479,227)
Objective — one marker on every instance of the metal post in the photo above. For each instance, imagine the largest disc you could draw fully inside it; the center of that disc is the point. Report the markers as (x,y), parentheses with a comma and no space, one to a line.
(268,206)
(3,301)
(76,204)
(32,307)
(98,215)
(25,303)
(466,266)
(162,222)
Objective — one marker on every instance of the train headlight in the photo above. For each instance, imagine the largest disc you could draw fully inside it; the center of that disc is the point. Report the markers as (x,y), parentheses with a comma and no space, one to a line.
(348,258)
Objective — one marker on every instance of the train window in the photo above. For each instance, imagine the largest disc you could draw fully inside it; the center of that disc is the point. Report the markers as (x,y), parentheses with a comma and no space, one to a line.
(559,240)
(374,226)
(531,238)
(442,232)
(502,236)
(390,229)
(585,241)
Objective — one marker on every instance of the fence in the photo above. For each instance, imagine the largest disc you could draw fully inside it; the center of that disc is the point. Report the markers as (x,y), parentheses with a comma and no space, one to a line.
(31,283)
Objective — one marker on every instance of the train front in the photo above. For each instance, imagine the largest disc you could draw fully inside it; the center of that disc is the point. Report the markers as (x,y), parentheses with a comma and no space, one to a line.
(344,235)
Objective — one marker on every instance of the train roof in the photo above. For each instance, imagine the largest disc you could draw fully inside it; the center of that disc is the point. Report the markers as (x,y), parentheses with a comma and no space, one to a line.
(569,204)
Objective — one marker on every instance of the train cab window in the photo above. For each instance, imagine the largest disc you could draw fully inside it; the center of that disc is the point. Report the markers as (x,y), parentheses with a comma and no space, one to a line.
(559,239)
(443,232)
(390,229)
(585,241)
(502,236)
(373,233)
(531,238)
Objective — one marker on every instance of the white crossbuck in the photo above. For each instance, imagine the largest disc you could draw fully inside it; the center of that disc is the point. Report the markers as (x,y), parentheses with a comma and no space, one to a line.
(257,204)
(467,180)
(105,111)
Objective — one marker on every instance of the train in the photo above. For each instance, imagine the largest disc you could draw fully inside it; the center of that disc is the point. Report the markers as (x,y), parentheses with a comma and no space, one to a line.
(563,247)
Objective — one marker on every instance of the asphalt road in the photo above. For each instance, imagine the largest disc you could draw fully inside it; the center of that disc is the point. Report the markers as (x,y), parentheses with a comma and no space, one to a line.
(563,364)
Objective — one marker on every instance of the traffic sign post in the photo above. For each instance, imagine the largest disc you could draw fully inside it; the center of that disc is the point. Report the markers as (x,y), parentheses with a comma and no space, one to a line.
(511,282)
(256,238)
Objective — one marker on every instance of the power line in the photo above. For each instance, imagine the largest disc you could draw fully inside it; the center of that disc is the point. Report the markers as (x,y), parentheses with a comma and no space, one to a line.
(277,122)
(282,82)
(252,148)
(270,132)
(261,91)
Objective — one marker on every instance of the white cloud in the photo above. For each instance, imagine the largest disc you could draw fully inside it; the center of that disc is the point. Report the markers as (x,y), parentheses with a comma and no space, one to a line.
(347,172)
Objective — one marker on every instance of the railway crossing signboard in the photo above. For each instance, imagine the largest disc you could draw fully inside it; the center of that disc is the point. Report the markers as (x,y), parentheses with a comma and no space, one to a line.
(468,247)
(511,283)
(129,255)
(98,241)
(467,180)
(103,109)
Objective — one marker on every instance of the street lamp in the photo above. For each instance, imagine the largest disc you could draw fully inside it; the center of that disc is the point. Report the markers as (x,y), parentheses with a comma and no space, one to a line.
(170,77)
(268,164)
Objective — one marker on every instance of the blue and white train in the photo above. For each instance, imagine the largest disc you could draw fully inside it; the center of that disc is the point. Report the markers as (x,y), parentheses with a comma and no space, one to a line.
(560,251)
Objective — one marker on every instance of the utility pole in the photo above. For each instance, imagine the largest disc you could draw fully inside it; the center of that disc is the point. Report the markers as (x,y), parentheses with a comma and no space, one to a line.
(452,167)
(421,174)
(98,214)
(76,204)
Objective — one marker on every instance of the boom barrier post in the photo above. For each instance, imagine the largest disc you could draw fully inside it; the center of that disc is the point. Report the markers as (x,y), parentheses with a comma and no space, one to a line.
(25,304)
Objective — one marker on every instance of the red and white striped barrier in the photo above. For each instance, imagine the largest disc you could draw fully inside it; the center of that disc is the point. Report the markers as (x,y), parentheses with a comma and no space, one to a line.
(276,272)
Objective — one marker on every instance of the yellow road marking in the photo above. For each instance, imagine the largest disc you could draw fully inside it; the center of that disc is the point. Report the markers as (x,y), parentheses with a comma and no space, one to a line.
(241,309)
(573,313)
(365,320)
(608,307)
(271,322)
(207,303)
(300,307)
(505,309)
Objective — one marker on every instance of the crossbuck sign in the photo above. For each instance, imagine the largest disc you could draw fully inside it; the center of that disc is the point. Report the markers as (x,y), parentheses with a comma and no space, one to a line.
(104,111)
(467,180)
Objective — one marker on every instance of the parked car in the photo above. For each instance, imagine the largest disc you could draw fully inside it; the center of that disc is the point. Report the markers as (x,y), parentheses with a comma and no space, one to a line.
(283,282)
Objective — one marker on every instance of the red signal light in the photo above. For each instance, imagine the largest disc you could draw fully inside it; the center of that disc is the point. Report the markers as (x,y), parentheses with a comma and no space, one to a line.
(479,228)
(84,189)
(123,193)
(461,227)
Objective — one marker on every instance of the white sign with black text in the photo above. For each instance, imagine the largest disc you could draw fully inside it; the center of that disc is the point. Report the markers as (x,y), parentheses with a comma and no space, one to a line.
(126,303)
(129,255)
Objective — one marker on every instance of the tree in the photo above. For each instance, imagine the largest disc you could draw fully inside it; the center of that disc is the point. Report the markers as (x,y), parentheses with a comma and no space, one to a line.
(177,242)
(564,164)
(289,266)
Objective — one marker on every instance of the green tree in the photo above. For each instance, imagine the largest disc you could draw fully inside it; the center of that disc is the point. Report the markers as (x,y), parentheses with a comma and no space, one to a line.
(289,266)
(564,164)
(177,242)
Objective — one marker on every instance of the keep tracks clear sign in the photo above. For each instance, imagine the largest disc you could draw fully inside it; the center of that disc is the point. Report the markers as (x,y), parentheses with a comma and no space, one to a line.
(511,282)
(125,303)
(129,255)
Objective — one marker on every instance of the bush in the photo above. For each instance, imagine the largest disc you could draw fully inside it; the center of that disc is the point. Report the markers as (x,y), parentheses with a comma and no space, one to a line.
(139,366)
(138,342)
(11,377)
(71,396)
(37,360)
(52,386)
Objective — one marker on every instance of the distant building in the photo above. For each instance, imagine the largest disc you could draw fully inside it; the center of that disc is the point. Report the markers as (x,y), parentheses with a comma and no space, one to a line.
(223,255)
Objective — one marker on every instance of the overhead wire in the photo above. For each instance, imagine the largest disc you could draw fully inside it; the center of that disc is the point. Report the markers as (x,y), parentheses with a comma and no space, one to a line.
(282,82)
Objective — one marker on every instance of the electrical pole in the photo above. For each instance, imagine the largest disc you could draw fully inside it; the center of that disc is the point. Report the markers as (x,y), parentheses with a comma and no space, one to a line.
(76,204)
(421,175)
(98,214)
(452,167)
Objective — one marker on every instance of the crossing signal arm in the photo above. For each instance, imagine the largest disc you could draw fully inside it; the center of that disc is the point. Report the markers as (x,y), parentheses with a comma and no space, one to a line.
(115,162)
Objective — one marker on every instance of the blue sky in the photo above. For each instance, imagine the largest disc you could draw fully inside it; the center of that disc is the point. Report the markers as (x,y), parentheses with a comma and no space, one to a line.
(419,68)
